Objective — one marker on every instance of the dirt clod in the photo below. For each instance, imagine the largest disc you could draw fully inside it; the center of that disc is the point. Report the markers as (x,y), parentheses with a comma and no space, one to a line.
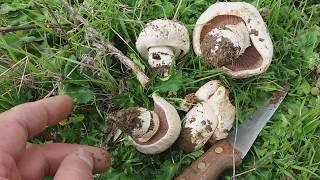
(189,101)
(126,119)
(218,52)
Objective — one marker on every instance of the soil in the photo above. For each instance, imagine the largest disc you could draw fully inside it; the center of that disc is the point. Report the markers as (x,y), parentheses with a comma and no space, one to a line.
(161,70)
(156,56)
(184,140)
(254,32)
(190,100)
(126,120)
(225,53)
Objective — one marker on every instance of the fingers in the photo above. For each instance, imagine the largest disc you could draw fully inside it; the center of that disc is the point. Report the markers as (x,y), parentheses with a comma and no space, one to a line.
(26,120)
(43,160)
(78,165)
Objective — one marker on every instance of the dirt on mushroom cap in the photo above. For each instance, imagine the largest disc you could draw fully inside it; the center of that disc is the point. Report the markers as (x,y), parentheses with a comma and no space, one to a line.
(126,119)
(218,52)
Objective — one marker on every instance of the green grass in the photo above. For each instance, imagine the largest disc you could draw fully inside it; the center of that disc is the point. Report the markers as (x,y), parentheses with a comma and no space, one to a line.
(44,62)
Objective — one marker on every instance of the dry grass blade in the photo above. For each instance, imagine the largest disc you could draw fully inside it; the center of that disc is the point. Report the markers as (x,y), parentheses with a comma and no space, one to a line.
(93,35)
(4,30)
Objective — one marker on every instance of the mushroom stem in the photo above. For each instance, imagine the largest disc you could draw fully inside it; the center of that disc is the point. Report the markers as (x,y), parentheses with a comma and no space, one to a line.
(161,58)
(152,129)
(225,44)
(139,123)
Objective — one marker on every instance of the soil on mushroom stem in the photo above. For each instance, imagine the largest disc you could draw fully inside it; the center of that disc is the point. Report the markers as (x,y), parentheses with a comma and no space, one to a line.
(161,70)
(184,141)
(218,51)
(126,119)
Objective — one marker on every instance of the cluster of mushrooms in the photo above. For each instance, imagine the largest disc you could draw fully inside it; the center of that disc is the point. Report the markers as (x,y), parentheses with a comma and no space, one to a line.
(228,35)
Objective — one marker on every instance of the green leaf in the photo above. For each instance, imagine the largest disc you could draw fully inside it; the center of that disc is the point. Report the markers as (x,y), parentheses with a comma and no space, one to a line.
(78,93)
(77,118)
(173,84)
(305,87)
(168,170)
(5,8)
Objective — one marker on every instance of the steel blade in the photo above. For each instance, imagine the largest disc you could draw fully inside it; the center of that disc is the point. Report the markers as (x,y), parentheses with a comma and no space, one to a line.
(248,131)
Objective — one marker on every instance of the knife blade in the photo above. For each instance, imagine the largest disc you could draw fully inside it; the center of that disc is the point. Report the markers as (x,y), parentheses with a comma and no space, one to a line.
(226,153)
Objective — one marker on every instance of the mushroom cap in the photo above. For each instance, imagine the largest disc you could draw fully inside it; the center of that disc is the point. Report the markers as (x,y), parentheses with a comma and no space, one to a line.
(225,112)
(217,97)
(164,32)
(198,126)
(257,58)
(169,128)
(207,90)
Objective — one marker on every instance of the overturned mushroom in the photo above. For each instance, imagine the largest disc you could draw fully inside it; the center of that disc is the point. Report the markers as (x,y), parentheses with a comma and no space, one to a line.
(233,35)
(152,132)
(161,41)
(209,120)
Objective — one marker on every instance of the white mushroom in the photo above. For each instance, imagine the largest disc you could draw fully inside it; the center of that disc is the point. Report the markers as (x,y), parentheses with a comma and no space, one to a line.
(233,35)
(161,41)
(198,127)
(209,120)
(151,132)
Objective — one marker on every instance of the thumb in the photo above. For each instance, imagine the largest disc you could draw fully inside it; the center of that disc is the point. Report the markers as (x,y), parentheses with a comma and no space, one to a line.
(77,165)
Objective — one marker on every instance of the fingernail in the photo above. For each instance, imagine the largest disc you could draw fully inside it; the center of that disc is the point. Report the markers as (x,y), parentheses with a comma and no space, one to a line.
(86,157)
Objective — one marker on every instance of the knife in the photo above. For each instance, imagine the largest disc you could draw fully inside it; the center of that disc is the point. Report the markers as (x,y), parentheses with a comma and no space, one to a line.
(224,154)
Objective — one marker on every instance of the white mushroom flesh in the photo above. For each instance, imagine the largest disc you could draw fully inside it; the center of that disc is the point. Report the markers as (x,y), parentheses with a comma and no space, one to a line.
(225,112)
(152,130)
(207,90)
(145,119)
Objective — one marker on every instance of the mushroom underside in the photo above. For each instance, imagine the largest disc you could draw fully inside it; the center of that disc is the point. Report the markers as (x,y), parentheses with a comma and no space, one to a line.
(163,127)
(250,59)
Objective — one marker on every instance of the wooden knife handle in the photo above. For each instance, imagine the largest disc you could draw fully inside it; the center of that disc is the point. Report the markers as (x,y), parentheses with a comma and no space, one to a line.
(212,163)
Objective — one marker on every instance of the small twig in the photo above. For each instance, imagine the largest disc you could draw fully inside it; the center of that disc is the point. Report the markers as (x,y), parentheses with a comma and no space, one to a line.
(93,35)
(4,30)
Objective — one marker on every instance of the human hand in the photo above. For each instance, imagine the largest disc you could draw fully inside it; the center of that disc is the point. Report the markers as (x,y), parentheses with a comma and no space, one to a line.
(19,160)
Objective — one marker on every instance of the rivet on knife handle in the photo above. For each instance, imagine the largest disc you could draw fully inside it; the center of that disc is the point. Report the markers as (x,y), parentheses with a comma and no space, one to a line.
(210,165)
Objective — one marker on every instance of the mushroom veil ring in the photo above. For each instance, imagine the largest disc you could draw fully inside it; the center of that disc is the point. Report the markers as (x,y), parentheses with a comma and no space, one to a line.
(233,35)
